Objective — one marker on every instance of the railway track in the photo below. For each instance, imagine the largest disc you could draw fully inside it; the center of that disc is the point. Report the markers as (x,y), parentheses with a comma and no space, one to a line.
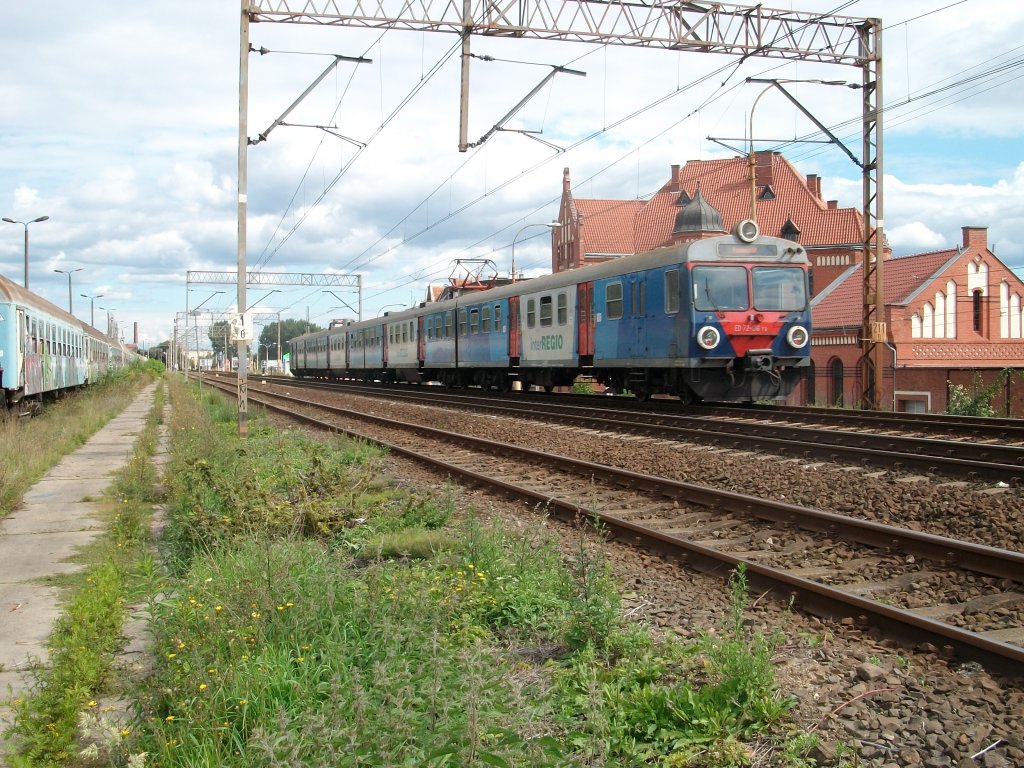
(897,580)
(972,459)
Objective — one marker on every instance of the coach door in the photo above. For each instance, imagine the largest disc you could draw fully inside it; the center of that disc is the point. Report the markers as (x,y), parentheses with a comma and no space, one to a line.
(585,320)
(514,339)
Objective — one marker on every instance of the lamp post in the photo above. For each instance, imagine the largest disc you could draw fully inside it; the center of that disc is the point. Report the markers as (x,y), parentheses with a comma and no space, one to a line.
(25,224)
(92,306)
(110,326)
(68,272)
(548,224)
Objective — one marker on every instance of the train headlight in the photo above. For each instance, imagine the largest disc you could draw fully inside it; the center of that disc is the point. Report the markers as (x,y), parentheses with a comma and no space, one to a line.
(797,337)
(708,337)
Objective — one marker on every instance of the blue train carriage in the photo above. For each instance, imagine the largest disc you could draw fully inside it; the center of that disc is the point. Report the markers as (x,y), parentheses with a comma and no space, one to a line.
(42,347)
(439,353)
(482,348)
(719,319)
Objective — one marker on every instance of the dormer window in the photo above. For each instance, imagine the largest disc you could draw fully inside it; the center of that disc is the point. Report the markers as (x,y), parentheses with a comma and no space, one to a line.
(790,231)
(767,193)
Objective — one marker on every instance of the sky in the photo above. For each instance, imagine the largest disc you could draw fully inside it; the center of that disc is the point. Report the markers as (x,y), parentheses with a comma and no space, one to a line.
(120,123)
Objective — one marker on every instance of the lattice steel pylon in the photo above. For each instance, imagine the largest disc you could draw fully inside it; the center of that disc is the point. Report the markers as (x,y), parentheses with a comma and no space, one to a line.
(706,27)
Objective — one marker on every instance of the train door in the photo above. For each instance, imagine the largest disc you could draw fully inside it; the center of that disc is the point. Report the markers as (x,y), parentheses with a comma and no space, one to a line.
(19,368)
(638,310)
(421,343)
(514,339)
(585,320)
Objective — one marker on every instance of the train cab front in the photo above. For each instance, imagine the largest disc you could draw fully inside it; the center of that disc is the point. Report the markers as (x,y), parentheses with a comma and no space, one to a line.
(751,322)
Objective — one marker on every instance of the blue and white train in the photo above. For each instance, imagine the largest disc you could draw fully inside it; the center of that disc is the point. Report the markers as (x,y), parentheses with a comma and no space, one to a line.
(719,319)
(47,351)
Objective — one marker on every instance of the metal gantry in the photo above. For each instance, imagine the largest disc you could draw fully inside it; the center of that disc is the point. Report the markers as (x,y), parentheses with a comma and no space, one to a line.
(703,27)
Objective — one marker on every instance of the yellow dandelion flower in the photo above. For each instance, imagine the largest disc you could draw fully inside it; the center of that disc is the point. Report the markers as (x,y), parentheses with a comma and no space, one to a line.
(300,659)
(280,607)
(181,644)
(242,702)
(169,718)
(171,655)
(202,686)
(255,614)
(289,605)
(125,732)
(218,608)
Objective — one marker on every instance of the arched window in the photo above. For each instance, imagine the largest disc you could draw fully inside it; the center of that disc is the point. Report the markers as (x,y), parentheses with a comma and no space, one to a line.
(1004,310)
(976,309)
(1015,330)
(915,326)
(835,388)
(940,315)
(928,323)
(951,310)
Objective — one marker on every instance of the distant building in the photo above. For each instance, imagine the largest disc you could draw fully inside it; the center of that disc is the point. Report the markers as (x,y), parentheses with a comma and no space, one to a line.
(952,315)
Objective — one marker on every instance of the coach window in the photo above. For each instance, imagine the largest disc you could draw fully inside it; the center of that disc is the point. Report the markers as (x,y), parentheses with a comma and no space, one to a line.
(412,331)
(546,311)
(563,309)
(671,291)
(474,320)
(463,322)
(405,333)
(497,317)
(449,324)
(531,313)
(485,319)
(613,301)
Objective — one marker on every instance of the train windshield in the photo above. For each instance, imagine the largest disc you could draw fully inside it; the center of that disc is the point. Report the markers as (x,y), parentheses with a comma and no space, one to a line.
(720,288)
(779,289)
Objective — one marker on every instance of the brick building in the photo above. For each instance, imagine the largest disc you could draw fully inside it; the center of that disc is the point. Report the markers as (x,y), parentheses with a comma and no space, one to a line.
(953,315)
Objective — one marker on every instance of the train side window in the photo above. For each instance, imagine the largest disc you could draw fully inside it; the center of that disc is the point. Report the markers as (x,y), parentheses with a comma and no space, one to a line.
(485,319)
(405,333)
(412,331)
(497,317)
(448,323)
(671,291)
(531,313)
(545,311)
(474,320)
(613,300)
(463,322)
(563,309)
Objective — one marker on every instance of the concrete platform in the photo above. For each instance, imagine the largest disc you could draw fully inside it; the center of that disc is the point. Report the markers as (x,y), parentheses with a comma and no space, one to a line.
(56,518)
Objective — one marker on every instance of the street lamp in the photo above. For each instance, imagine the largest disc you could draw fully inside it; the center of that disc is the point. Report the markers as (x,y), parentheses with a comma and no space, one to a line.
(110,326)
(68,272)
(549,224)
(25,224)
(92,306)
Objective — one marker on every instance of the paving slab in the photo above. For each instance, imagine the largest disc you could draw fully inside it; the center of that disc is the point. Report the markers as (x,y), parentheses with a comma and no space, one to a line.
(38,541)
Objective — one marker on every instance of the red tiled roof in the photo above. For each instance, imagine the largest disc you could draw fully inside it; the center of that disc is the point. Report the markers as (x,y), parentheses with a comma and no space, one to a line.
(607,225)
(841,304)
(634,226)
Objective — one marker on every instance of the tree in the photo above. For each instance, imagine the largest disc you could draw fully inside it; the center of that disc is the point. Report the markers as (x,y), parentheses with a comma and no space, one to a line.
(220,338)
(290,328)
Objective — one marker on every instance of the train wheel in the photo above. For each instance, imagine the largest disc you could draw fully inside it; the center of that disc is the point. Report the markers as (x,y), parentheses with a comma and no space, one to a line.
(549,388)
(642,394)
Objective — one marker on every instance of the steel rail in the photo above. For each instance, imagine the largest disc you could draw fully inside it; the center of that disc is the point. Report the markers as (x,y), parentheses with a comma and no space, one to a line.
(951,457)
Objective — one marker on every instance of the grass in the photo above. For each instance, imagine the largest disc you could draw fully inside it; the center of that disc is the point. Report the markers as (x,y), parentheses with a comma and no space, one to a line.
(307,612)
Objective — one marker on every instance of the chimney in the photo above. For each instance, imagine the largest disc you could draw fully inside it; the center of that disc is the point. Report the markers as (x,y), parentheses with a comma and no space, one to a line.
(565,181)
(763,168)
(814,184)
(833,204)
(673,185)
(975,237)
